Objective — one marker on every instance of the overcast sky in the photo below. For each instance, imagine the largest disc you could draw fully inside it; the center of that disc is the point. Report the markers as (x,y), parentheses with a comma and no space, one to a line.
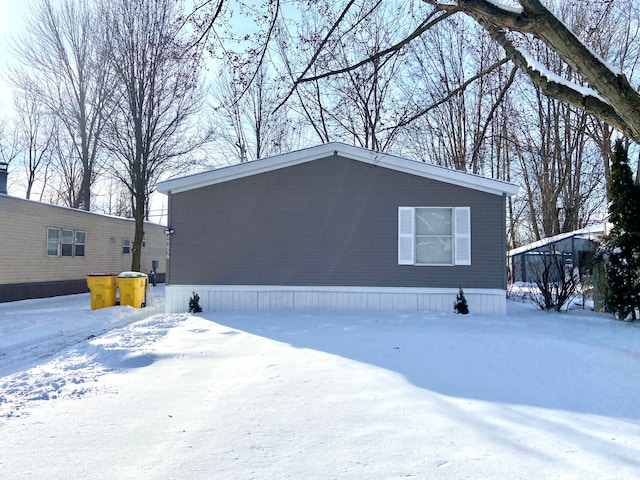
(11,21)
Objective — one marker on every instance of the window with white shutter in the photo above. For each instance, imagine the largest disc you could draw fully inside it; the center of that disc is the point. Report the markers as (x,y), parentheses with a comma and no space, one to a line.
(434,236)
(462,236)
(406,238)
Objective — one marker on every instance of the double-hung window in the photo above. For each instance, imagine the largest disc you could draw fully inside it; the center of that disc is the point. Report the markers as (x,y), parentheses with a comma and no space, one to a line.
(434,236)
(67,243)
(80,242)
(53,242)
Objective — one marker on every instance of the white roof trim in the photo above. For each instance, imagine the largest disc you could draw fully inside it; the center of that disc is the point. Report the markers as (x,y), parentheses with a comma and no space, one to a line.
(401,164)
(597,230)
(69,210)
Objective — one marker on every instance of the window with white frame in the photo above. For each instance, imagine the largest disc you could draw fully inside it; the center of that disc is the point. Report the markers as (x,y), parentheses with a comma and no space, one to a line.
(80,242)
(126,245)
(434,236)
(63,242)
(53,242)
(67,243)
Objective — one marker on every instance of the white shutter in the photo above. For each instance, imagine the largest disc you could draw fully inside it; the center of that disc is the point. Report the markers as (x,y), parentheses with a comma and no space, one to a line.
(463,236)
(406,236)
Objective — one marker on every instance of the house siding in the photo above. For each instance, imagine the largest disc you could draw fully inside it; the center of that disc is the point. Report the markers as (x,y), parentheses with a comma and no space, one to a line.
(27,272)
(330,222)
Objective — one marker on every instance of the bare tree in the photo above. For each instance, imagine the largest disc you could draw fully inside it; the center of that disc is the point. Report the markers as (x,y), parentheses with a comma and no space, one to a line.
(158,93)
(66,68)
(563,150)
(37,131)
(69,173)
(609,95)
(611,29)
(10,142)
(366,103)
(116,199)
(560,169)
(245,117)
(363,106)
(308,102)
(457,119)
(560,166)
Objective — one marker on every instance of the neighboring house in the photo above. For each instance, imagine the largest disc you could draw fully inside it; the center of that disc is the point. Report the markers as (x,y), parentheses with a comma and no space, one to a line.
(571,250)
(48,250)
(336,227)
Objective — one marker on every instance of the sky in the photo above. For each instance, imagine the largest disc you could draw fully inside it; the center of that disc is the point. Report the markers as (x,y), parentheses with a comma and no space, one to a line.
(135,393)
(12,13)
(11,21)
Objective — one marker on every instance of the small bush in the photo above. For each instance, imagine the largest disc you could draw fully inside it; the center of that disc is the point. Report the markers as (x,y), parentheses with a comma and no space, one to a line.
(460,306)
(556,285)
(194,304)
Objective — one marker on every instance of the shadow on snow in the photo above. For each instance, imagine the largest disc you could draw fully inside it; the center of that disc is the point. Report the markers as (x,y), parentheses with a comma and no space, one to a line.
(547,361)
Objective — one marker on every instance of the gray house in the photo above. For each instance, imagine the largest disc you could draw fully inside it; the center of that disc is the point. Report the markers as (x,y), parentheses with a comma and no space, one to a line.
(336,227)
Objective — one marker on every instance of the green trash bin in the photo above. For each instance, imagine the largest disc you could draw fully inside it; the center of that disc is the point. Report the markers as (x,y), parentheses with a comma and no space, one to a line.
(132,286)
(103,289)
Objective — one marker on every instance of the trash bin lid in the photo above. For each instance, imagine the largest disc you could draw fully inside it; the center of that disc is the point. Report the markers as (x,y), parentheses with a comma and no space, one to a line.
(101,274)
(132,275)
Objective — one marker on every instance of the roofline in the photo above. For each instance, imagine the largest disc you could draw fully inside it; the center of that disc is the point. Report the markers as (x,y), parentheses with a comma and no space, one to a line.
(594,230)
(393,162)
(74,211)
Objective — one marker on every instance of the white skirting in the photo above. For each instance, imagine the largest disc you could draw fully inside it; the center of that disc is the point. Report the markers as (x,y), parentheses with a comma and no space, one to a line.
(258,297)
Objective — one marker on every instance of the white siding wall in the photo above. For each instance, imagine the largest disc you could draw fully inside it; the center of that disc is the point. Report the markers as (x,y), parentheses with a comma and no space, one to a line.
(216,298)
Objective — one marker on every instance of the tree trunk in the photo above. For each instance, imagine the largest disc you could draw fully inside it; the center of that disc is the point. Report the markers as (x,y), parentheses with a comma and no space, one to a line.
(139,216)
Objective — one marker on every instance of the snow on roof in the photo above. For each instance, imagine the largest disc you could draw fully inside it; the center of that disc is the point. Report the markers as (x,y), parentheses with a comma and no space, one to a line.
(587,233)
(386,160)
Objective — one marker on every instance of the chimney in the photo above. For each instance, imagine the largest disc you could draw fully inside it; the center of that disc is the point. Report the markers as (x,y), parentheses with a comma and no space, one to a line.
(3,178)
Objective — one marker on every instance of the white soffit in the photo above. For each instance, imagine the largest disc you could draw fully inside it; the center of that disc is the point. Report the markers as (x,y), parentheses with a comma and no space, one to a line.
(400,164)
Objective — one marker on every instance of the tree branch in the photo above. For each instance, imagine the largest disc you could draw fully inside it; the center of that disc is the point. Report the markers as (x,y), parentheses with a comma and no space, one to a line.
(503,92)
(453,92)
(424,26)
(619,103)
(560,89)
(207,29)
(317,52)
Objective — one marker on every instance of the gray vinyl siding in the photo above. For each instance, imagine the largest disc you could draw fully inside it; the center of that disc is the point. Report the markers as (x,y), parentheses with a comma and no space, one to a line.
(328,222)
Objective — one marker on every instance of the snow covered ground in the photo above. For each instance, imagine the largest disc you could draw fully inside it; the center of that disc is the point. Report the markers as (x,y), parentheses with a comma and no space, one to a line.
(135,394)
